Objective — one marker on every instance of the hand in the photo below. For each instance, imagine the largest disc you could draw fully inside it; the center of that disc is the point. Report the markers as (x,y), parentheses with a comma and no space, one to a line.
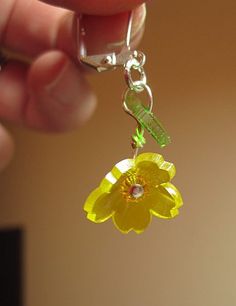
(42,85)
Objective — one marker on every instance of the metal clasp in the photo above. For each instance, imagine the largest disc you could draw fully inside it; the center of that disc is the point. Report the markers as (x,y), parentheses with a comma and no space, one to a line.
(109,61)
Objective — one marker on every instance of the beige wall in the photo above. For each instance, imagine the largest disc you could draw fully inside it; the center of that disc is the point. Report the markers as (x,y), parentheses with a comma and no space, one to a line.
(190,261)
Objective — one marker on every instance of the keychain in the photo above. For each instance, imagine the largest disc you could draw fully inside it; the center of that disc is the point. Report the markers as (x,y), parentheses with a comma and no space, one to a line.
(137,188)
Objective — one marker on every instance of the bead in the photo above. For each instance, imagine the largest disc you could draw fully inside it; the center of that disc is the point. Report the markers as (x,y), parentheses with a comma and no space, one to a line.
(137,191)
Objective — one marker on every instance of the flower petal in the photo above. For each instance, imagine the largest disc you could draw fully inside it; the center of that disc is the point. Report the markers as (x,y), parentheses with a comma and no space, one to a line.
(112,198)
(165,201)
(100,206)
(153,167)
(122,167)
(113,176)
(101,202)
(133,216)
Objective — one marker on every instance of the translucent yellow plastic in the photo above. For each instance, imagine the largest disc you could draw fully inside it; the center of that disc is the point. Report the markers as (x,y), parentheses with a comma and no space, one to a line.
(114,198)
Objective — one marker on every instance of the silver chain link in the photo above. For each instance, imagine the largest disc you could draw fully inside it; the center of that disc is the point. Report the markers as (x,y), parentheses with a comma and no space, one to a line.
(136,63)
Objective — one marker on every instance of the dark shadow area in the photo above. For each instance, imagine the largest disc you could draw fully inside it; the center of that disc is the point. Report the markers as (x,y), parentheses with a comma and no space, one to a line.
(11,251)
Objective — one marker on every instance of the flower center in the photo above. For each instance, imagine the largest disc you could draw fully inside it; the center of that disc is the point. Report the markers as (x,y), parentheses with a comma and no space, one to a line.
(136,191)
(133,188)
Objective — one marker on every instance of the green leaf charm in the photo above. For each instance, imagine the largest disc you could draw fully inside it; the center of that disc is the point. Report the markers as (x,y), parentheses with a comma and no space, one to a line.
(146,118)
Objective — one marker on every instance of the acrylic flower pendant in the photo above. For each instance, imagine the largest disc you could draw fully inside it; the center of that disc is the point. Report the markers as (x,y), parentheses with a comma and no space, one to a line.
(133,191)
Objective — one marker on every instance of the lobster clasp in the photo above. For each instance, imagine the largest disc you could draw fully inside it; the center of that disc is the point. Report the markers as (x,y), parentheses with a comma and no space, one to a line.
(108,61)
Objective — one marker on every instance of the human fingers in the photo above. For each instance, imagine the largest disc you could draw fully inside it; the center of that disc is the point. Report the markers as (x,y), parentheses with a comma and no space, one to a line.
(52,96)
(95,7)
(61,98)
(40,111)
(29,27)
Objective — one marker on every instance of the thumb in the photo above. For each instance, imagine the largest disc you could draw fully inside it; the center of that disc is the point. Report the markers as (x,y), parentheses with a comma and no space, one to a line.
(60,97)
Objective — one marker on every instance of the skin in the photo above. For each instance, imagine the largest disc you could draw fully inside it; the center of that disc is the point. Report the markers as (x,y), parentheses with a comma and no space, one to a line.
(43,86)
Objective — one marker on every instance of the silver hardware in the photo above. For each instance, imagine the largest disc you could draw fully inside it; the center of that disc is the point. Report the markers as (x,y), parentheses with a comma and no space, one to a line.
(109,61)
(137,85)
(149,95)
(130,112)
(131,61)
(129,31)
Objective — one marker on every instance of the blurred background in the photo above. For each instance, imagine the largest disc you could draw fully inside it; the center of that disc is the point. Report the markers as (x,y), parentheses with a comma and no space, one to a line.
(188,261)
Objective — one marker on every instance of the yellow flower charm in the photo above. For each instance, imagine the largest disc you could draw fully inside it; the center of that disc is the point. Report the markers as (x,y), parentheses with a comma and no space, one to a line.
(133,191)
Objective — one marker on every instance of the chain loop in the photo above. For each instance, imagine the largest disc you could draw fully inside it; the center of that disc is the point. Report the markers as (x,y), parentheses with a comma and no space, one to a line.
(136,63)
(137,85)
(149,105)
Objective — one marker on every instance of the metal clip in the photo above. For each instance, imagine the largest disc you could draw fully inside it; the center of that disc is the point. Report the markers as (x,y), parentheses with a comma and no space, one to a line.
(109,61)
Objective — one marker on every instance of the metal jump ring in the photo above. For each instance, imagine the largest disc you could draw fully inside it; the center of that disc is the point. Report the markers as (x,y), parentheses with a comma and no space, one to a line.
(140,57)
(150,98)
(137,85)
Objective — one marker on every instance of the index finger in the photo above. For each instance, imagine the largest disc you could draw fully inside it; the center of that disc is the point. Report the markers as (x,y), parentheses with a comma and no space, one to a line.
(97,7)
